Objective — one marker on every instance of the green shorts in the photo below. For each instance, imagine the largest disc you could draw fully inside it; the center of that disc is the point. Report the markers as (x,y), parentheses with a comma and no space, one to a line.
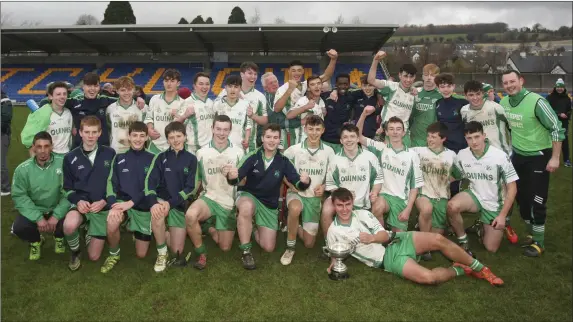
(310,214)
(439,206)
(486,216)
(97,223)
(139,221)
(396,205)
(335,146)
(399,251)
(221,218)
(264,216)
(176,218)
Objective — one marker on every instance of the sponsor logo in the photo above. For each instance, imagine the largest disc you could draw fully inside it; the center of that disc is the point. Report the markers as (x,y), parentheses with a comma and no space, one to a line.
(121,161)
(74,160)
(186,170)
(80,167)
(125,170)
(167,169)
(58,171)
(277,173)
(106,163)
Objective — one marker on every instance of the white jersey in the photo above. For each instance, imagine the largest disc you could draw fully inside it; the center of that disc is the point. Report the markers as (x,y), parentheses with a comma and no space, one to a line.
(318,109)
(200,124)
(238,115)
(436,169)
(401,169)
(296,94)
(492,116)
(487,174)
(361,221)
(358,175)
(315,163)
(60,129)
(121,118)
(160,116)
(399,103)
(211,161)
(258,102)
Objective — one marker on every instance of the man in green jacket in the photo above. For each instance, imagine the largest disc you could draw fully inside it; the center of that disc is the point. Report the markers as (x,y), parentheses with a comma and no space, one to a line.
(536,136)
(42,206)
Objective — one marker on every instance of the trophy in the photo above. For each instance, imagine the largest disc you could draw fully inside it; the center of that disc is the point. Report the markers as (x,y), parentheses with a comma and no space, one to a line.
(339,251)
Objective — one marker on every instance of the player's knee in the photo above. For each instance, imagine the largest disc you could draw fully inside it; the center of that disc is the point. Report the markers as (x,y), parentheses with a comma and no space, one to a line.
(427,278)
(491,247)
(191,217)
(268,248)
(294,209)
(309,243)
(440,240)
(225,248)
(94,257)
(141,253)
(453,208)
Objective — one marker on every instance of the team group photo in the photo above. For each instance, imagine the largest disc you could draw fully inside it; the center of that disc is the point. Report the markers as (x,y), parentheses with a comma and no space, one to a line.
(242,190)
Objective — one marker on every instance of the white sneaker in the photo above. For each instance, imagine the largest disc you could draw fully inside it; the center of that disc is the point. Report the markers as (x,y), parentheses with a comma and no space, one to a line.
(286,259)
(160,263)
(4,194)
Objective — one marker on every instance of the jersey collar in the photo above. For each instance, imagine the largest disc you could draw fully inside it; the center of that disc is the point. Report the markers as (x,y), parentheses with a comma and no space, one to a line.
(197,98)
(338,223)
(484,150)
(343,153)
(389,145)
(169,103)
(126,107)
(517,98)
(224,99)
(305,146)
(212,145)
(47,164)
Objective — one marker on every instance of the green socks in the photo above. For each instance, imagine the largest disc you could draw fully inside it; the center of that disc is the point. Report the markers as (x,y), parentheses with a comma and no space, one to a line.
(459,271)
(291,243)
(74,241)
(539,234)
(162,249)
(246,247)
(476,266)
(201,249)
(114,251)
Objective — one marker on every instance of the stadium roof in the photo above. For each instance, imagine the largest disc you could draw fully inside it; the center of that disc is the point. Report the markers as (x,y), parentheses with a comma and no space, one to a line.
(195,38)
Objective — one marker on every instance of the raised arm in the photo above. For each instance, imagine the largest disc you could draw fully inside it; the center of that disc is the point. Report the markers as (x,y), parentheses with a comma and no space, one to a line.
(378,83)
(329,71)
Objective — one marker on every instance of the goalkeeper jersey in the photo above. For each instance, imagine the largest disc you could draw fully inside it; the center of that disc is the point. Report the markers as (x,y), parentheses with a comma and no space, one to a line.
(211,161)
(487,174)
(401,169)
(361,221)
(160,116)
(398,102)
(315,163)
(237,112)
(492,116)
(358,175)
(120,118)
(436,169)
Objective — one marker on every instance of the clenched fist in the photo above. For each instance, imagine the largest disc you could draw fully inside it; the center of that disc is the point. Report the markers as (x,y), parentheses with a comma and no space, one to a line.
(380,55)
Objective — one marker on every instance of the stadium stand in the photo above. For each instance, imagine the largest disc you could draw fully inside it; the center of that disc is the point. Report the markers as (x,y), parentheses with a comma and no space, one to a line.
(23,82)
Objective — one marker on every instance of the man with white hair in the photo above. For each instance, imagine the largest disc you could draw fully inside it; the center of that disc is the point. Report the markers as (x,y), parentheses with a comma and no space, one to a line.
(270,85)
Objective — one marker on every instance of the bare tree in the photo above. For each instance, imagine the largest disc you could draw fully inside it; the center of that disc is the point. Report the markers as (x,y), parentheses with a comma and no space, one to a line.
(86,19)
(256,18)
(356,20)
(5,19)
(339,20)
(280,21)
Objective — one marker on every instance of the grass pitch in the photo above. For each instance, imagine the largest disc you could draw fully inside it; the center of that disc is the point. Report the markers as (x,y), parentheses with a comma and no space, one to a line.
(535,289)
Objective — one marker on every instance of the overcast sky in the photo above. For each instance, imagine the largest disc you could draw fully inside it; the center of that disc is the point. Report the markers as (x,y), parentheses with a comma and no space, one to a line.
(515,14)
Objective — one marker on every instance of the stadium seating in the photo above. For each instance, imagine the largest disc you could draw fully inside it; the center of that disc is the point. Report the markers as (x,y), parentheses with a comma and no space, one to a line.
(23,82)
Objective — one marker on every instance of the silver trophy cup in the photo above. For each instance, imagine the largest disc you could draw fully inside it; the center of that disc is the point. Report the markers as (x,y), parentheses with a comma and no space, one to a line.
(339,251)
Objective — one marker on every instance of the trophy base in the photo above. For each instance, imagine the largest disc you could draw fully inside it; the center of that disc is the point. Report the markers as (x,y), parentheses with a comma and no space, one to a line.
(336,276)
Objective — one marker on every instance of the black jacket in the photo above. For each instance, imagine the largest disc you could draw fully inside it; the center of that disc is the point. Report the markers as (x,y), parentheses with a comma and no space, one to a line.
(561,103)
(6,114)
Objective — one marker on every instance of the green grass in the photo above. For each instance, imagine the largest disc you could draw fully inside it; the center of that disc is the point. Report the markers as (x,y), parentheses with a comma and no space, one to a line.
(535,290)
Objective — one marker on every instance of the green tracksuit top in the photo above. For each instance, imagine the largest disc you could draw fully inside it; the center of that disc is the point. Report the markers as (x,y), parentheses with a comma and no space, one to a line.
(37,190)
